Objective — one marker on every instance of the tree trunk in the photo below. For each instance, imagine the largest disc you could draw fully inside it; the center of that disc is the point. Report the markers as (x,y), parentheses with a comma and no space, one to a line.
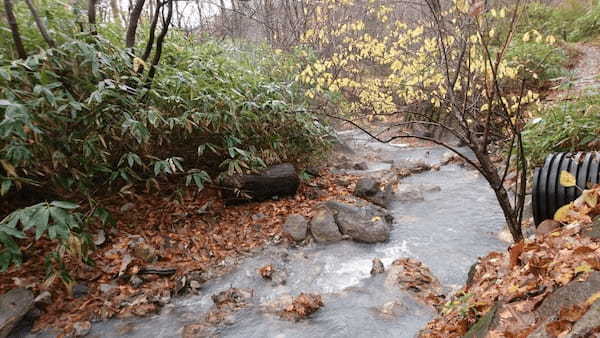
(40,25)
(280,180)
(134,18)
(116,12)
(14,29)
(160,40)
(150,41)
(92,16)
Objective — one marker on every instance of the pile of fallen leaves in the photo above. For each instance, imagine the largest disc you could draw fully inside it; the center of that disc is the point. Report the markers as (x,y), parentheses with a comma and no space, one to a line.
(416,278)
(523,277)
(303,306)
(159,248)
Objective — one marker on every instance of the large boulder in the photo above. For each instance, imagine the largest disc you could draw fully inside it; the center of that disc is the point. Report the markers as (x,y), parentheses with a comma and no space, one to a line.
(368,223)
(14,305)
(277,181)
(323,226)
(296,227)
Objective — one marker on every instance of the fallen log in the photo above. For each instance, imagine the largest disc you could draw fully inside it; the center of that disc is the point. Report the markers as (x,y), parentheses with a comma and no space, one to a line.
(278,181)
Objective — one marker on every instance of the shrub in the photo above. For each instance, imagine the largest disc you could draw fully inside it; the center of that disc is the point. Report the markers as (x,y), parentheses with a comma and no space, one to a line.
(567,126)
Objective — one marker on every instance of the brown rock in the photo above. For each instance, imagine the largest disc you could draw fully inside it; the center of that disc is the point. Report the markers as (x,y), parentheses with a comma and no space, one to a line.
(546,227)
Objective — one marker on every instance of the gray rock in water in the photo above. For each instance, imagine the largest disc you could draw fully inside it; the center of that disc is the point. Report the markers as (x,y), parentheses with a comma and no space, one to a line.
(361,166)
(13,306)
(296,227)
(323,226)
(409,193)
(377,267)
(369,224)
(370,189)
(414,166)
(367,187)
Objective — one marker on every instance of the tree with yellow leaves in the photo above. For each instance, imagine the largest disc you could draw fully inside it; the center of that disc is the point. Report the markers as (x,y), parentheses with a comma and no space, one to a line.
(452,60)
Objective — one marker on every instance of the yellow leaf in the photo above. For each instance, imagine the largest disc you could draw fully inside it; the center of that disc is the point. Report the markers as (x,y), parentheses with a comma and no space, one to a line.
(567,179)
(562,213)
(375,219)
(593,298)
(585,267)
(590,197)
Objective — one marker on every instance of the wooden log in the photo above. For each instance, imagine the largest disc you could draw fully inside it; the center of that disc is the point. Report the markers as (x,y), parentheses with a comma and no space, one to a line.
(277,181)
(13,306)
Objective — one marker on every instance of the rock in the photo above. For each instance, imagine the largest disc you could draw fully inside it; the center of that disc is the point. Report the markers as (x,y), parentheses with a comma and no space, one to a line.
(593,231)
(366,187)
(232,297)
(99,238)
(590,321)
(370,189)
(303,306)
(571,294)
(80,290)
(107,288)
(136,281)
(277,181)
(14,305)
(377,267)
(416,278)
(546,227)
(81,328)
(471,274)
(369,224)
(296,227)
(361,166)
(323,226)
(413,166)
(409,193)
(391,309)
(195,286)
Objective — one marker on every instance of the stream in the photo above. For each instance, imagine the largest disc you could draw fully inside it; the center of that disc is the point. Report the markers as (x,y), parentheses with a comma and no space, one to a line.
(447,231)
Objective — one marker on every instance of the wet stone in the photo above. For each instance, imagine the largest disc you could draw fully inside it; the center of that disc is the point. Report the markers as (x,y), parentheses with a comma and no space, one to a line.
(377,267)
(323,226)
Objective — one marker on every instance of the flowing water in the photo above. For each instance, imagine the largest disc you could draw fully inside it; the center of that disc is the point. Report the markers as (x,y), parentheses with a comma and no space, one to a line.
(447,231)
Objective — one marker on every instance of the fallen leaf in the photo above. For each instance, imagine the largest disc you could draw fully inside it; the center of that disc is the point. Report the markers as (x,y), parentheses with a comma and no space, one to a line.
(567,179)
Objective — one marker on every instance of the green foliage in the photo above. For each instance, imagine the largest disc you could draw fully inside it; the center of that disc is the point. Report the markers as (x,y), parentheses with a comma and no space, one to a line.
(78,116)
(572,20)
(541,58)
(56,221)
(567,126)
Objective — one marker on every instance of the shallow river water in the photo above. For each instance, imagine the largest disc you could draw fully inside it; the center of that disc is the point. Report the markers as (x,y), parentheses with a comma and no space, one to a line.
(447,231)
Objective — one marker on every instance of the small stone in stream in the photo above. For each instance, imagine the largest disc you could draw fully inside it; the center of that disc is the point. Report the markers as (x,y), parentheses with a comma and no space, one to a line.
(266,271)
(296,227)
(323,226)
(377,267)
(436,167)
(546,227)
(232,297)
(136,281)
(81,328)
(195,286)
(414,167)
(361,166)
(303,306)
(409,193)
(80,290)
(391,309)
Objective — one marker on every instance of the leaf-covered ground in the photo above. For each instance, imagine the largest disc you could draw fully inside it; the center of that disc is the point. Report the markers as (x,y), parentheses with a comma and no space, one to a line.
(158,249)
(521,278)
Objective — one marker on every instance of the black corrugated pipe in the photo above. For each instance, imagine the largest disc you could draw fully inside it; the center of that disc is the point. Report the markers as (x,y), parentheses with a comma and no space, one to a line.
(548,195)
